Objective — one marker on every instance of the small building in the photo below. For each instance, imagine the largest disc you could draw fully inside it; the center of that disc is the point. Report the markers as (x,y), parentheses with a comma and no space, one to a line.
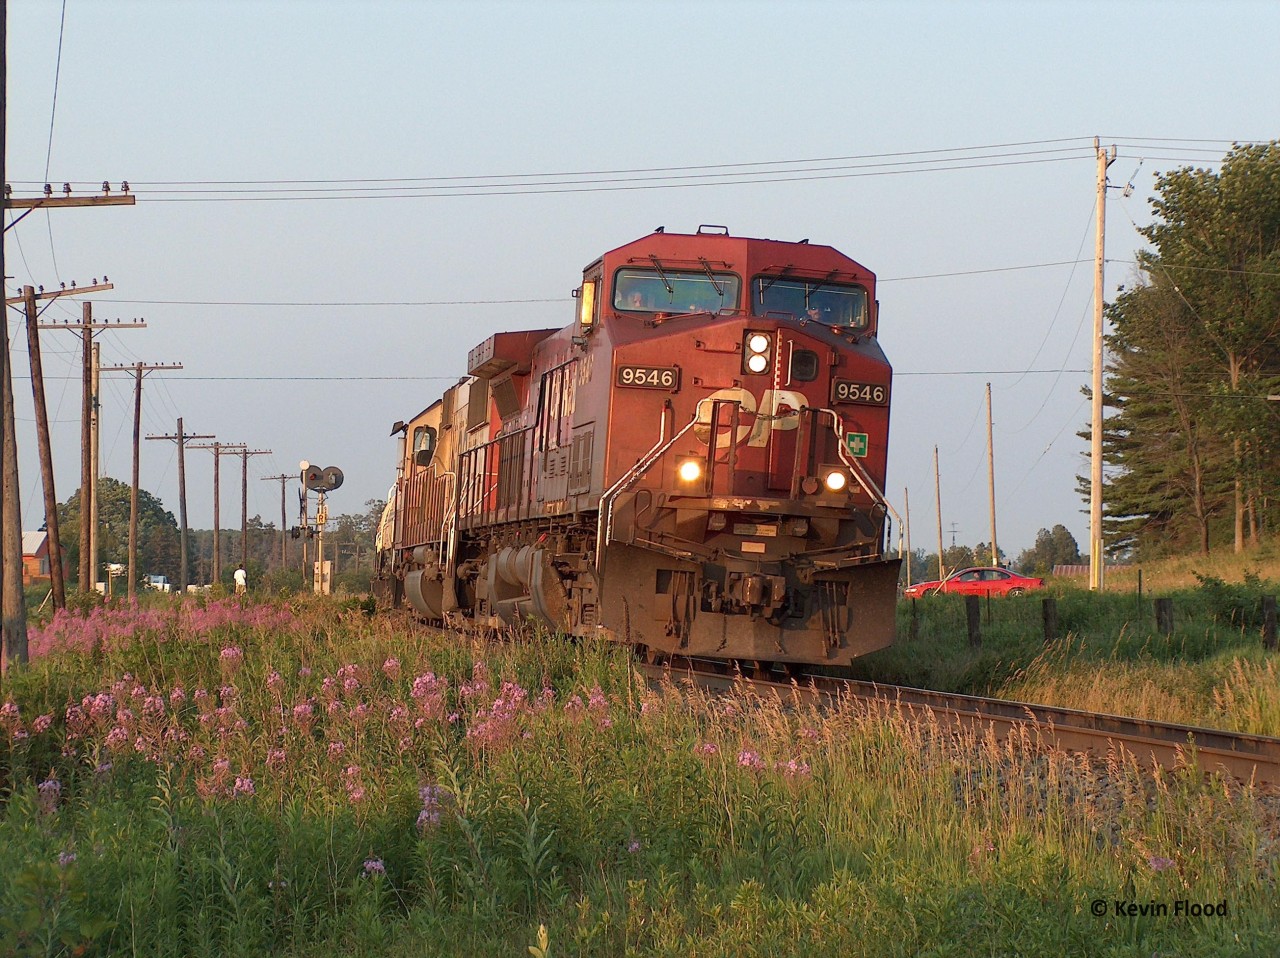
(35,558)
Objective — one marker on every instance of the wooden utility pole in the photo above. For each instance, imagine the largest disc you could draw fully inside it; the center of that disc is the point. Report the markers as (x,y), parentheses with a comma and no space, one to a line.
(13,613)
(906,524)
(137,369)
(88,426)
(219,449)
(181,438)
(284,533)
(57,570)
(991,481)
(1096,559)
(57,580)
(244,455)
(937,498)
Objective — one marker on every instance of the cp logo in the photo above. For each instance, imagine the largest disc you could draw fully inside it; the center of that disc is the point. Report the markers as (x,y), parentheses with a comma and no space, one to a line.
(777,410)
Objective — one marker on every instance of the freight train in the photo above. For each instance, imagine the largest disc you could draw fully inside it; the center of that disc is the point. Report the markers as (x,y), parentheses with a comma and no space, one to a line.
(694,466)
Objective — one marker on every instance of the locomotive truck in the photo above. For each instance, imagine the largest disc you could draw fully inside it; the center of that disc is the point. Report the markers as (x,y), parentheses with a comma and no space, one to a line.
(694,466)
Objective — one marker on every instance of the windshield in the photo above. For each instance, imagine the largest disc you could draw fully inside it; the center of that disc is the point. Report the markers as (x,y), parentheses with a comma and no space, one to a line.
(668,291)
(814,300)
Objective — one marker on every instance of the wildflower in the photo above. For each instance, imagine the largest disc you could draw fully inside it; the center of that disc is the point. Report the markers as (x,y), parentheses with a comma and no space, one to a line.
(244,785)
(391,668)
(177,696)
(707,748)
(47,793)
(276,758)
(117,738)
(10,717)
(633,846)
(66,858)
(374,866)
(42,723)
(275,682)
(304,672)
(335,750)
(103,768)
(809,733)
(453,718)
(981,850)
(795,768)
(231,657)
(1159,863)
(750,759)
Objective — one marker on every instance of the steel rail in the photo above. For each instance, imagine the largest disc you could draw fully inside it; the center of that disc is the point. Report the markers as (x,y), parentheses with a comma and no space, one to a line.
(1247,758)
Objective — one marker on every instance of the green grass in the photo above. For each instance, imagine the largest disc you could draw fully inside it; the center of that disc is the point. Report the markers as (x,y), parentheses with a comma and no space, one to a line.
(546,786)
(1212,670)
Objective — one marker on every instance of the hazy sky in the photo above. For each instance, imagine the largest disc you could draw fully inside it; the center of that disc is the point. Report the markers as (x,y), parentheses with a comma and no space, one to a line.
(308,326)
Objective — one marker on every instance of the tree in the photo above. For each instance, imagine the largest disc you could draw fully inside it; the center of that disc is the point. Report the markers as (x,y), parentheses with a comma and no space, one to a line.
(1056,546)
(157,530)
(1195,350)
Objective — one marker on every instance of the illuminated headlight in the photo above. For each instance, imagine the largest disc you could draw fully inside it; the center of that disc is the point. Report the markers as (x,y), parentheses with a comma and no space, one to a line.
(835,481)
(757,350)
(689,470)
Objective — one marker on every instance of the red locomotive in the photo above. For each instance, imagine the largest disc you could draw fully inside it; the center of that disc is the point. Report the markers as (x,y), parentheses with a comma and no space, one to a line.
(694,466)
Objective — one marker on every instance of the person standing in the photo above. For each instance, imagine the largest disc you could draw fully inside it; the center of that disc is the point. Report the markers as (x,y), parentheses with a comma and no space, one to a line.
(242,580)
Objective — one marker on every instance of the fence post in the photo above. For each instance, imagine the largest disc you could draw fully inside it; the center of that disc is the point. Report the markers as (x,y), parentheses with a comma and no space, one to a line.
(1269,622)
(1050,620)
(1164,616)
(973,612)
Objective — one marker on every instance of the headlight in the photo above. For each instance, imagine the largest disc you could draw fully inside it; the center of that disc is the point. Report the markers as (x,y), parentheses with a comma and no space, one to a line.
(835,481)
(689,470)
(757,352)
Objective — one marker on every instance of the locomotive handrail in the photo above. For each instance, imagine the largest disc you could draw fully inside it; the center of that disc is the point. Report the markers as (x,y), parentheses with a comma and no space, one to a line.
(864,480)
(605,528)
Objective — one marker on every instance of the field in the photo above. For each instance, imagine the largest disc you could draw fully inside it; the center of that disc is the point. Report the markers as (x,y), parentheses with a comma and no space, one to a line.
(217,779)
(1212,670)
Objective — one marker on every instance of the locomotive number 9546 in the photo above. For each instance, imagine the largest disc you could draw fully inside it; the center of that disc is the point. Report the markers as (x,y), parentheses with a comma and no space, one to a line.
(650,377)
(869,394)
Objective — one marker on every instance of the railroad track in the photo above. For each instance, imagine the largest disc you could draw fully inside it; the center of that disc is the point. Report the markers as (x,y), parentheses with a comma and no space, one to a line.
(1246,758)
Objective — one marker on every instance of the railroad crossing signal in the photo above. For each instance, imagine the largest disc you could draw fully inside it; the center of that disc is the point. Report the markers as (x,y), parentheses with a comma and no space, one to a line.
(856,443)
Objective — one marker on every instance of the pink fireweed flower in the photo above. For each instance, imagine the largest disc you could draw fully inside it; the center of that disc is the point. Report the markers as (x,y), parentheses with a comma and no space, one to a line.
(65,859)
(634,846)
(374,866)
(1159,863)
(707,748)
(275,681)
(391,668)
(10,716)
(276,758)
(809,733)
(751,760)
(231,657)
(47,795)
(42,723)
(336,749)
(117,738)
(794,768)
(244,785)
(304,672)
(177,696)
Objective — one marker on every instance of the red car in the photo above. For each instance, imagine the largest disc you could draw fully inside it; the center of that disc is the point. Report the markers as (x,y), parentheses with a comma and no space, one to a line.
(983,580)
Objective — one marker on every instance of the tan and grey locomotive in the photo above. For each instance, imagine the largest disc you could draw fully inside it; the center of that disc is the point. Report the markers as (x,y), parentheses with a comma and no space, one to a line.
(694,466)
